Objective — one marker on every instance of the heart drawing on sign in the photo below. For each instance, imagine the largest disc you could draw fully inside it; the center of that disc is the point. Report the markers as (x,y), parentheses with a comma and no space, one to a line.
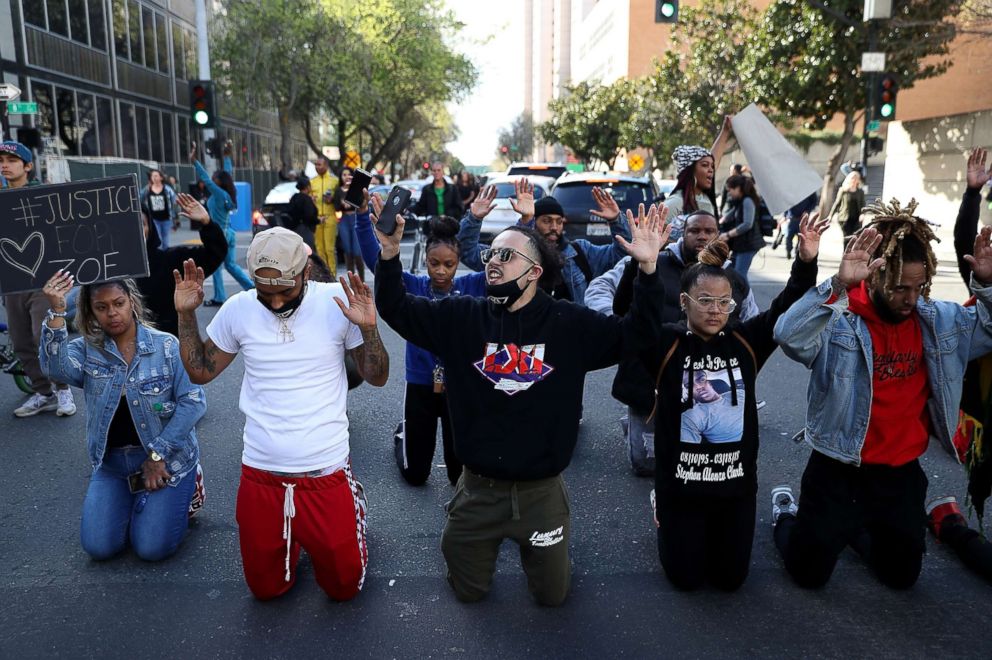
(7,247)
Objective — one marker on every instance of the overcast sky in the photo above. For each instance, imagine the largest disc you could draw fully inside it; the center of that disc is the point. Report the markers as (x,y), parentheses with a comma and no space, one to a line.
(498,96)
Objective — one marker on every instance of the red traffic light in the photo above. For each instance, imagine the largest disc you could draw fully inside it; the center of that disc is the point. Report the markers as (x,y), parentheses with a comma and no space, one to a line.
(504,149)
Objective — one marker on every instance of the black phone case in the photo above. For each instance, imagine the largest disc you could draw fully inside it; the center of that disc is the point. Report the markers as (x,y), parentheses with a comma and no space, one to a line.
(398,200)
(135,483)
(360,180)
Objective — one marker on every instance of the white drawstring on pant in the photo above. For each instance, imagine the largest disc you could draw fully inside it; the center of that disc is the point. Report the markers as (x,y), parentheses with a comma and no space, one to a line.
(288,513)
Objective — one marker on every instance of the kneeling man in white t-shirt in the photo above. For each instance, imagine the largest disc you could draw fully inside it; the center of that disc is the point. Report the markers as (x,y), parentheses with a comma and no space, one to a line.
(297,490)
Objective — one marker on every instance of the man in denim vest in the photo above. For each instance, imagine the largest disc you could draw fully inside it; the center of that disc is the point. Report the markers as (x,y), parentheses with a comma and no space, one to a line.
(886,373)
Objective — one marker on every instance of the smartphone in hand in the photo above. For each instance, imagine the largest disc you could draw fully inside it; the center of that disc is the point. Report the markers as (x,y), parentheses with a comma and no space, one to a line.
(396,203)
(136,482)
(360,181)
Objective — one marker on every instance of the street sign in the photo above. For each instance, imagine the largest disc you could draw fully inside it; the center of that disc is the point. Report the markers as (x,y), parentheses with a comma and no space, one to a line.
(352,159)
(874,125)
(9,92)
(635,162)
(872,62)
(25,108)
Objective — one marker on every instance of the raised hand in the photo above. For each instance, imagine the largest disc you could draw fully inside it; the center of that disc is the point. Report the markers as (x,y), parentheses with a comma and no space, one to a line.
(189,287)
(981,260)
(192,151)
(364,208)
(389,244)
(606,206)
(523,189)
(56,289)
(650,232)
(360,309)
(376,202)
(811,228)
(857,264)
(484,203)
(978,176)
(192,209)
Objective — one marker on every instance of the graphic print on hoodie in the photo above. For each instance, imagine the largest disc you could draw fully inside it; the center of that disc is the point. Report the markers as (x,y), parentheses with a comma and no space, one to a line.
(712,420)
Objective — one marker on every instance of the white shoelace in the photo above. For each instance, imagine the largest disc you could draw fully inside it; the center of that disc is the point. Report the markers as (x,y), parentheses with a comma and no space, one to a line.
(288,513)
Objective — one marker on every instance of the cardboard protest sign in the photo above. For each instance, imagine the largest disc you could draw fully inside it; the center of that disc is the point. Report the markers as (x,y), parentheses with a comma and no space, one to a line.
(782,175)
(91,229)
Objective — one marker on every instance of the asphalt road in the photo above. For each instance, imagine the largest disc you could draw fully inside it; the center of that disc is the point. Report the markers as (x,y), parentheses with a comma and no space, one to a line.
(55,602)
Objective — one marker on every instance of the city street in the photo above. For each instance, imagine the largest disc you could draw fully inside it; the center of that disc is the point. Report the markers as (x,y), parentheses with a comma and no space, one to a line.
(56,602)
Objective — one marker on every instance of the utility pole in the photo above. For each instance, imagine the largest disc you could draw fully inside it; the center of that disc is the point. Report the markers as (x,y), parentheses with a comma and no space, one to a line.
(869,97)
(203,59)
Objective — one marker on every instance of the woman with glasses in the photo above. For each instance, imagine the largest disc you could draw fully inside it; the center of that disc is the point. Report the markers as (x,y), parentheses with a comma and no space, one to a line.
(425,401)
(706,418)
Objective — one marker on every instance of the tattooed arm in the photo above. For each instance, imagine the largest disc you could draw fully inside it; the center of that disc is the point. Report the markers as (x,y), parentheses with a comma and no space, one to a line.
(371,358)
(203,360)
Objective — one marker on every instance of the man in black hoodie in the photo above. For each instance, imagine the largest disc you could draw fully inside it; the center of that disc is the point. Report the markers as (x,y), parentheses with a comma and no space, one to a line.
(158,289)
(508,360)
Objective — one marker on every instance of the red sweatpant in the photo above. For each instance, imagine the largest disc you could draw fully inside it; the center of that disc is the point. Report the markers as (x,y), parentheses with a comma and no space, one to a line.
(329,522)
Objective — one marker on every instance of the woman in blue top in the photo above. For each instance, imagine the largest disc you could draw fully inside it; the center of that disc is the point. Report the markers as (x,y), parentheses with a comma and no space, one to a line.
(220,204)
(425,401)
(141,410)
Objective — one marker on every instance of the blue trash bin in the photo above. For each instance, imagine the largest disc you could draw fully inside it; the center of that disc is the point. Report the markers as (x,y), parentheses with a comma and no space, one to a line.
(241,218)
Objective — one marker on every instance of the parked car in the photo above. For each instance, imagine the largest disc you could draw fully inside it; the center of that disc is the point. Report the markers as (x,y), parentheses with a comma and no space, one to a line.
(274,206)
(553,170)
(574,192)
(665,188)
(503,215)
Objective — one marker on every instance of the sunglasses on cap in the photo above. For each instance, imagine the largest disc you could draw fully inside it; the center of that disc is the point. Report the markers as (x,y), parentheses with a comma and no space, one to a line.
(503,255)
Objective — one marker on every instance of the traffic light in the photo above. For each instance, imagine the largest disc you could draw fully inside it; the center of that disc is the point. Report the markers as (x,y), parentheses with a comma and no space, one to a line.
(666,11)
(885,97)
(202,109)
(504,150)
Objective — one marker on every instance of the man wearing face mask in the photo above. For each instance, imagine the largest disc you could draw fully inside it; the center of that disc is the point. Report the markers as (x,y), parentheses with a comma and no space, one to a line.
(297,489)
(509,359)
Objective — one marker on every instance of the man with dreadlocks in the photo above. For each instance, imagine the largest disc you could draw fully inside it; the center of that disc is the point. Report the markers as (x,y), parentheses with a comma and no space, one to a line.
(886,371)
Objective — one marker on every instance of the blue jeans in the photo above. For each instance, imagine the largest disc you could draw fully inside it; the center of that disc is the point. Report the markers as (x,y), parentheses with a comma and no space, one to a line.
(164,228)
(154,523)
(742,262)
(231,265)
(348,235)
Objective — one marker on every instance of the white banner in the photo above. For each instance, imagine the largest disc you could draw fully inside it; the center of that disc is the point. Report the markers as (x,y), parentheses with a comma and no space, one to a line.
(782,175)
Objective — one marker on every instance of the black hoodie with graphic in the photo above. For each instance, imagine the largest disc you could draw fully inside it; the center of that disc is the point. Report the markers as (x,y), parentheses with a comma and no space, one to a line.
(706,417)
(515,379)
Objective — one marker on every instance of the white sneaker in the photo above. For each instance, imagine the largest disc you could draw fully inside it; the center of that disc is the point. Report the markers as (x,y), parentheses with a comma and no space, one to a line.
(66,405)
(783,502)
(37,403)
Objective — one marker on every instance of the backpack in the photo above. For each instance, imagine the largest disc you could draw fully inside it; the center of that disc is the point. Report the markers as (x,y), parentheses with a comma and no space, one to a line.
(766,220)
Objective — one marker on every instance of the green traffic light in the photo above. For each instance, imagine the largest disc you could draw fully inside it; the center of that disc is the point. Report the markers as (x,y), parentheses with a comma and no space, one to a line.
(200,117)
(887,110)
(667,9)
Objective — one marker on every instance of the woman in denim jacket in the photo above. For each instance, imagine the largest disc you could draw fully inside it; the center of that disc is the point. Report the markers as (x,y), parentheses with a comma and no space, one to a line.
(141,410)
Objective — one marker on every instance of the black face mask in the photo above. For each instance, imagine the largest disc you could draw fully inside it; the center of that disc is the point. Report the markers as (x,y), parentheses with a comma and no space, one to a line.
(288,308)
(507,293)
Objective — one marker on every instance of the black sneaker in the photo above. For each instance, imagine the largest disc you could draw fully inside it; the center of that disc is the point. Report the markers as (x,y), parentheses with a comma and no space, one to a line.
(783,502)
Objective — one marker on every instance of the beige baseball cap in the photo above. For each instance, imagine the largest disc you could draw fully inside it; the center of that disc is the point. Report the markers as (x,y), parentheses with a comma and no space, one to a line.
(280,249)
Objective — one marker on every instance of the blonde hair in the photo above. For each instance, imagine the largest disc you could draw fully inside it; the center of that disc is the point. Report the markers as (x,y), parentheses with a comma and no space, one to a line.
(894,224)
(85,319)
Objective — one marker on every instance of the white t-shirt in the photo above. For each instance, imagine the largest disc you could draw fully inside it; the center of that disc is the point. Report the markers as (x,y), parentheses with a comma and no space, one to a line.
(293,394)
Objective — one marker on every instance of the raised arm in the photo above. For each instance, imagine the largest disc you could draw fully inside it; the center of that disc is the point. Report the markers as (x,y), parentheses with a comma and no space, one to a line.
(370,357)
(61,359)
(471,228)
(212,251)
(602,291)
(720,144)
(966,225)
(204,361)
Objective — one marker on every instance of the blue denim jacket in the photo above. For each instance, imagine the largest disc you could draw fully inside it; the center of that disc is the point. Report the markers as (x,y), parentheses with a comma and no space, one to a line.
(601,258)
(164,404)
(836,345)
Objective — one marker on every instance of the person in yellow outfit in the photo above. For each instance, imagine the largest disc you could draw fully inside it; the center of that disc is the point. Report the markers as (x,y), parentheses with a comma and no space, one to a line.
(322,189)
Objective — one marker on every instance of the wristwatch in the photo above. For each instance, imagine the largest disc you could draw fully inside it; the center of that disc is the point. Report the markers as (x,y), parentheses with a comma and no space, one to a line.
(155,456)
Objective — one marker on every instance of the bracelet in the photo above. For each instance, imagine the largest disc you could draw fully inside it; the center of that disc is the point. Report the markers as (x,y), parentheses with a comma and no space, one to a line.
(53,314)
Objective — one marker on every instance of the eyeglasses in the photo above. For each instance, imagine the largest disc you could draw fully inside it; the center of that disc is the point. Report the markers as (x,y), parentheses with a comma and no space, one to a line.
(503,255)
(722,305)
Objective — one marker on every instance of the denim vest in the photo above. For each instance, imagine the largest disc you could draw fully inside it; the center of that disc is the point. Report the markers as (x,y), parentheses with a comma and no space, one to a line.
(164,404)
(836,345)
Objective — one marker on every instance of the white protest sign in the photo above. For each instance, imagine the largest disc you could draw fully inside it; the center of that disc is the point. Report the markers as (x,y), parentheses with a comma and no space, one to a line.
(782,175)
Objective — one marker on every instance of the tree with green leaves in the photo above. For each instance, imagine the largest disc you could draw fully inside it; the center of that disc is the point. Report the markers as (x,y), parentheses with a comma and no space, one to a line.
(517,139)
(279,54)
(805,57)
(697,82)
(588,119)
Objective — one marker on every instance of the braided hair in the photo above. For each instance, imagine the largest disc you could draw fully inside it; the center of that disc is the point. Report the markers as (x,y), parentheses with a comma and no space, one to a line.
(906,238)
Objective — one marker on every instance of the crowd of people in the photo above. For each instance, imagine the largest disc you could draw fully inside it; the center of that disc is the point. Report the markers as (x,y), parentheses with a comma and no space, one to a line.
(667,299)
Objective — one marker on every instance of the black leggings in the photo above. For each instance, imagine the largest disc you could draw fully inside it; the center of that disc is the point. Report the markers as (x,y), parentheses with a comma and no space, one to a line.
(702,540)
(878,508)
(971,548)
(416,438)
